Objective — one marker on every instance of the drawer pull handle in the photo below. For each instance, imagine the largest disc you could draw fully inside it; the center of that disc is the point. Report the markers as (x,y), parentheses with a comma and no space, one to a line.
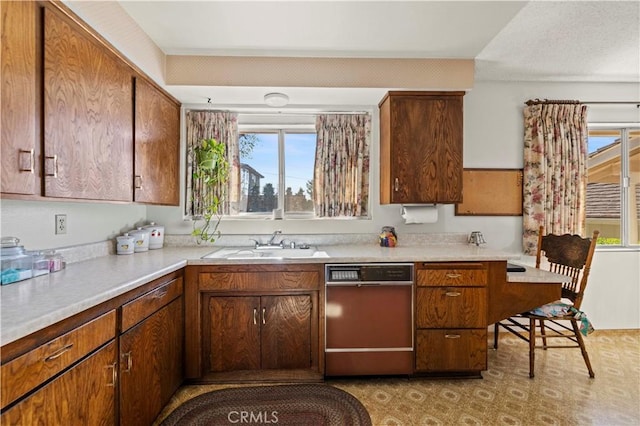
(451,336)
(114,374)
(26,157)
(55,166)
(264,314)
(255,316)
(138,182)
(396,185)
(452,293)
(59,352)
(453,275)
(129,364)
(160,293)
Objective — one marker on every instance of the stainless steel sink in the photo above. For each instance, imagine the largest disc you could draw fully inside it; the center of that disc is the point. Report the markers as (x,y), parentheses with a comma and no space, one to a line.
(250,253)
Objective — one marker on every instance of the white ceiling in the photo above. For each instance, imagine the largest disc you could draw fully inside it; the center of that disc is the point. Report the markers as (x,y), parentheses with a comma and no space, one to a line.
(585,41)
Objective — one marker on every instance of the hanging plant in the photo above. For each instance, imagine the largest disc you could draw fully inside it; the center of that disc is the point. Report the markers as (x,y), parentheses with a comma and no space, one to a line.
(210,172)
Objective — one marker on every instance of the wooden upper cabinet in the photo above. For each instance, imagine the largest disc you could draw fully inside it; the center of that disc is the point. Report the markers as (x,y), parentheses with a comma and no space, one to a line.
(421,147)
(88,115)
(157,146)
(18,98)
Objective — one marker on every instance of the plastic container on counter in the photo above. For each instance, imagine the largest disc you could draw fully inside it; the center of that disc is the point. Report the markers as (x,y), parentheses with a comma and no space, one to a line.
(40,263)
(56,261)
(17,264)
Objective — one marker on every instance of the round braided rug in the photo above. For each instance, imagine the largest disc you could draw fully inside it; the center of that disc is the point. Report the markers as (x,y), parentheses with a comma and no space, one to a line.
(299,405)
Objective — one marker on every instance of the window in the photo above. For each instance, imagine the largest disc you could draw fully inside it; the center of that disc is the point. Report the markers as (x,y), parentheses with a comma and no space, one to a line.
(293,166)
(613,188)
(277,172)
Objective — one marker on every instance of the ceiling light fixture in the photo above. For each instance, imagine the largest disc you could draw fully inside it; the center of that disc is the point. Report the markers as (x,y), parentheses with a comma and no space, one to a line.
(276,99)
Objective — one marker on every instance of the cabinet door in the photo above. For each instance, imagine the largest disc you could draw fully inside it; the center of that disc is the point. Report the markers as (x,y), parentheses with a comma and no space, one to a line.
(88,116)
(157,146)
(151,364)
(18,91)
(84,395)
(231,333)
(286,331)
(421,162)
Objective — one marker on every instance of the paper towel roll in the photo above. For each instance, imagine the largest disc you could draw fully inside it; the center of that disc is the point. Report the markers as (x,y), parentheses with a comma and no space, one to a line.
(420,214)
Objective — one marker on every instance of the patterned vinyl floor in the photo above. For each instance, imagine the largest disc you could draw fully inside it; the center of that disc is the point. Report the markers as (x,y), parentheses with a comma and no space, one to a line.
(561,393)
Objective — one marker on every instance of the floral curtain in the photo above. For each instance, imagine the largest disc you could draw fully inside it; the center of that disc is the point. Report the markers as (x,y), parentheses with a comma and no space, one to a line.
(555,170)
(222,126)
(341,173)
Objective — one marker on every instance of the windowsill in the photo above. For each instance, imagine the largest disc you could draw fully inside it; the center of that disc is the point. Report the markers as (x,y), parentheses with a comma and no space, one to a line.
(618,248)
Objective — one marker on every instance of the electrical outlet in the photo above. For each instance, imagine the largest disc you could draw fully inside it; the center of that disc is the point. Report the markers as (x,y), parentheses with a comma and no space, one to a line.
(61,224)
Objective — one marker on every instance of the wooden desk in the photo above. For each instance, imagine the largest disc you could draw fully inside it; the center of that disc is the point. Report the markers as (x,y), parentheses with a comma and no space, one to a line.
(515,292)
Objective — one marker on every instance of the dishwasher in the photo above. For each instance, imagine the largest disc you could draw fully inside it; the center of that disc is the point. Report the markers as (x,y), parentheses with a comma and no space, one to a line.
(369,319)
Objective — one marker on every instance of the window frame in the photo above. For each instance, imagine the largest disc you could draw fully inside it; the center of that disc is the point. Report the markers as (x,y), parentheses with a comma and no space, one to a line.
(281,130)
(624,128)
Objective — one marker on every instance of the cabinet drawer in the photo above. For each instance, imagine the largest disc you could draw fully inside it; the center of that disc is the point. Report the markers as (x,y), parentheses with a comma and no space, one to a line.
(140,308)
(271,280)
(464,274)
(438,307)
(451,350)
(35,367)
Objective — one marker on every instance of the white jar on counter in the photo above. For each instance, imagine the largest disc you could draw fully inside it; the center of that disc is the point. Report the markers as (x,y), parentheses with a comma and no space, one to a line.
(125,244)
(156,235)
(140,239)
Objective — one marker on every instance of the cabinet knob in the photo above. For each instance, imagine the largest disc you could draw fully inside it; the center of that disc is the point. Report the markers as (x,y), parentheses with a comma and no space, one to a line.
(25,160)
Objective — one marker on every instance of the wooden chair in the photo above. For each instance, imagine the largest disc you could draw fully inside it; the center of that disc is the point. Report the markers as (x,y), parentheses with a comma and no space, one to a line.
(568,255)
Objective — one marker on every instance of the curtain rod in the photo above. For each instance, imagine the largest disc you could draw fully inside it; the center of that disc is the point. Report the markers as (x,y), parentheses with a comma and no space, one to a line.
(566,101)
(283,112)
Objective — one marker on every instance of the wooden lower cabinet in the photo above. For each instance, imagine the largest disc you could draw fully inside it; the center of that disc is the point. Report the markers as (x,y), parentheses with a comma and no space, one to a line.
(258,332)
(444,350)
(451,317)
(151,357)
(247,323)
(83,395)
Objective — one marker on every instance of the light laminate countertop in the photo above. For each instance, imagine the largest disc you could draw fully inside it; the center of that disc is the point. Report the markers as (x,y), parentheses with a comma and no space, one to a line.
(31,305)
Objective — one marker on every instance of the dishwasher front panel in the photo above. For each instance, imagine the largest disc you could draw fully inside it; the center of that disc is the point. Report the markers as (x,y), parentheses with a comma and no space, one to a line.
(369,317)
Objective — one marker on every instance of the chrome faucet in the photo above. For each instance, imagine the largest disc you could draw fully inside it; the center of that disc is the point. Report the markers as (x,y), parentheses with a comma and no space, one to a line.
(270,243)
(273,237)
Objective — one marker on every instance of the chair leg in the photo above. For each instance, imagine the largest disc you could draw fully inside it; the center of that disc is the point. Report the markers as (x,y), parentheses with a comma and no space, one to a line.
(496,329)
(583,349)
(532,345)
(543,333)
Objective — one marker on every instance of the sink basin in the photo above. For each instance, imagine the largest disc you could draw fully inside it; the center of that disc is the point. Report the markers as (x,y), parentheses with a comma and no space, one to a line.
(247,253)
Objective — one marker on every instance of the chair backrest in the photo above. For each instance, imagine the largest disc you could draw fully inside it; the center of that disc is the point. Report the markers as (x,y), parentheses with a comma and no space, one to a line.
(569,255)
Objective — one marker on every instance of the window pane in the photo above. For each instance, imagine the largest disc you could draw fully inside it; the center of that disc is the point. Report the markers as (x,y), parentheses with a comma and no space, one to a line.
(603,187)
(299,159)
(634,186)
(258,172)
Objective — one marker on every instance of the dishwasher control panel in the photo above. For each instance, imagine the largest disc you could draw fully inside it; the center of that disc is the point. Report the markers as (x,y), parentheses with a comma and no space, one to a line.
(369,273)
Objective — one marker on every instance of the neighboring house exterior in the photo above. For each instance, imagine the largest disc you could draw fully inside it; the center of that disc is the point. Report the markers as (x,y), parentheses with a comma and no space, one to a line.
(603,203)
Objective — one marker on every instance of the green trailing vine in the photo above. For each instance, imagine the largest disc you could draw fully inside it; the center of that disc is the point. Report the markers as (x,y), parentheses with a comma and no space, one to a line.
(210,172)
